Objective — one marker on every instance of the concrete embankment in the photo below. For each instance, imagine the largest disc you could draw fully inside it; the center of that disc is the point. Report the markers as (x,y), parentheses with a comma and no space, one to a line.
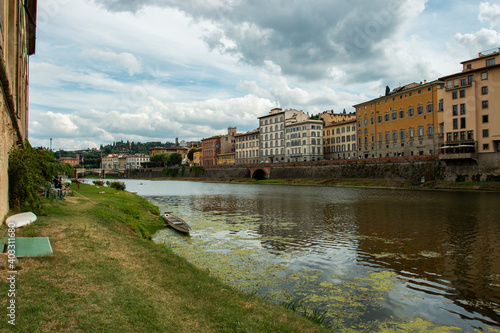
(412,170)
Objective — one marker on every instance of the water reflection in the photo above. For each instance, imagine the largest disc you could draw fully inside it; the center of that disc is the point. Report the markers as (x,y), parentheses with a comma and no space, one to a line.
(319,244)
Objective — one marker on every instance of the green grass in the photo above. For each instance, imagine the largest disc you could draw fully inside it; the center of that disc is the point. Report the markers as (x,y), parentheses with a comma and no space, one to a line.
(105,276)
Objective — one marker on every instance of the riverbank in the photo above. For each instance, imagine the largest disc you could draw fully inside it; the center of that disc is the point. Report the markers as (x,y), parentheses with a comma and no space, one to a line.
(106,275)
(356,182)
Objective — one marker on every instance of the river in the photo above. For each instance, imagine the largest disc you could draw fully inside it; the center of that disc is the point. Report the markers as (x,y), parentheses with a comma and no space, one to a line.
(361,259)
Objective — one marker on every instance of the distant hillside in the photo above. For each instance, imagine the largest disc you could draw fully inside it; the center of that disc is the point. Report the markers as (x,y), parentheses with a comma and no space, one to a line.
(92,157)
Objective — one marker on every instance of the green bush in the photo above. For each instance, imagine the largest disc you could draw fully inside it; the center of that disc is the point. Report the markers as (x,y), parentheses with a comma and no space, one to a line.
(98,182)
(493,178)
(460,179)
(118,185)
(26,178)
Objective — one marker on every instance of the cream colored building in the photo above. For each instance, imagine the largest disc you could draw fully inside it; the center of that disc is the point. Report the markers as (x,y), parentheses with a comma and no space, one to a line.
(472,108)
(340,140)
(303,139)
(247,147)
(272,134)
(135,161)
(17,43)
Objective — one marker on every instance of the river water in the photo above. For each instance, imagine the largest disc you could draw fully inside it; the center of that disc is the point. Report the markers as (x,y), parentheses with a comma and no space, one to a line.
(365,259)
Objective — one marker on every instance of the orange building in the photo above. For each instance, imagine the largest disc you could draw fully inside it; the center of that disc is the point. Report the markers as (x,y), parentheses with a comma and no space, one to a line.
(472,102)
(407,121)
(211,148)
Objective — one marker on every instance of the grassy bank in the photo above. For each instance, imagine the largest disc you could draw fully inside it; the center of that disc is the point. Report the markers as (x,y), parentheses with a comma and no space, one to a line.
(106,275)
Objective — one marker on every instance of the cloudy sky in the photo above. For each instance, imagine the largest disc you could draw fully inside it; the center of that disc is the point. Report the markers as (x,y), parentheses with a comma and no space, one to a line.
(156,70)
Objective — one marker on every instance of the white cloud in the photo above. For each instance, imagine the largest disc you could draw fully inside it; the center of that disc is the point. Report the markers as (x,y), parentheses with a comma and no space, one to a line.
(481,40)
(489,13)
(126,60)
(155,70)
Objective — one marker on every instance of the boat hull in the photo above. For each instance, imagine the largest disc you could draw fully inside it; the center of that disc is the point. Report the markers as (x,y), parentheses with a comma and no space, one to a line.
(176,223)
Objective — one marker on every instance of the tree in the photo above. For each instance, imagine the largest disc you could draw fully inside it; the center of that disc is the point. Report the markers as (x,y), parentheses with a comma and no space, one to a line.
(159,160)
(175,159)
(191,152)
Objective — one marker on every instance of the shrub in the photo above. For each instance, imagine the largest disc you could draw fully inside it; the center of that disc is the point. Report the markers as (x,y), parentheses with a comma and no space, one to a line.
(118,185)
(476,178)
(493,178)
(26,177)
(98,182)
(460,179)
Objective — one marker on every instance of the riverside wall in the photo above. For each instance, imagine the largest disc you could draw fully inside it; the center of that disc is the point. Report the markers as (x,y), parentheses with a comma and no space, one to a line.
(414,170)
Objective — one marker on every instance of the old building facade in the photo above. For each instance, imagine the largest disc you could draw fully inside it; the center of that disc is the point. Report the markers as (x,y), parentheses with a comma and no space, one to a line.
(340,140)
(247,147)
(406,122)
(17,43)
(472,103)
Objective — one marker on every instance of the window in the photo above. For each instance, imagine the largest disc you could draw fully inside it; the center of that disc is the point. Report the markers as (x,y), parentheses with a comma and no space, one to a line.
(462,93)
(379,119)
(402,134)
(484,104)
(420,131)
(463,81)
(401,113)
(455,83)
(462,123)
(484,76)
(420,109)
(462,109)
(430,107)
(441,105)
(485,119)
(454,95)
(394,135)
(410,112)
(486,133)
(486,146)
(455,123)
(470,79)
(430,129)
(484,90)
(387,136)
(490,62)
(449,84)
(411,133)
(470,135)
(372,121)
(455,109)
(386,117)
(394,116)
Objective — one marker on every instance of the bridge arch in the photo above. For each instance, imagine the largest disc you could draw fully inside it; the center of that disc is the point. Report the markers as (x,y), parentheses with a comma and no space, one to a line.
(260,174)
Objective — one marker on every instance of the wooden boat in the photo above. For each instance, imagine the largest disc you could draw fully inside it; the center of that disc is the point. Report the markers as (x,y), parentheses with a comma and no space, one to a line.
(176,223)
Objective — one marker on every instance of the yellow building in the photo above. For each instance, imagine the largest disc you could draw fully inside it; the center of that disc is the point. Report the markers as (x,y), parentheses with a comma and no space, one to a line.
(407,121)
(472,102)
(171,150)
(228,158)
(339,140)
(17,43)
(329,117)
(197,157)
